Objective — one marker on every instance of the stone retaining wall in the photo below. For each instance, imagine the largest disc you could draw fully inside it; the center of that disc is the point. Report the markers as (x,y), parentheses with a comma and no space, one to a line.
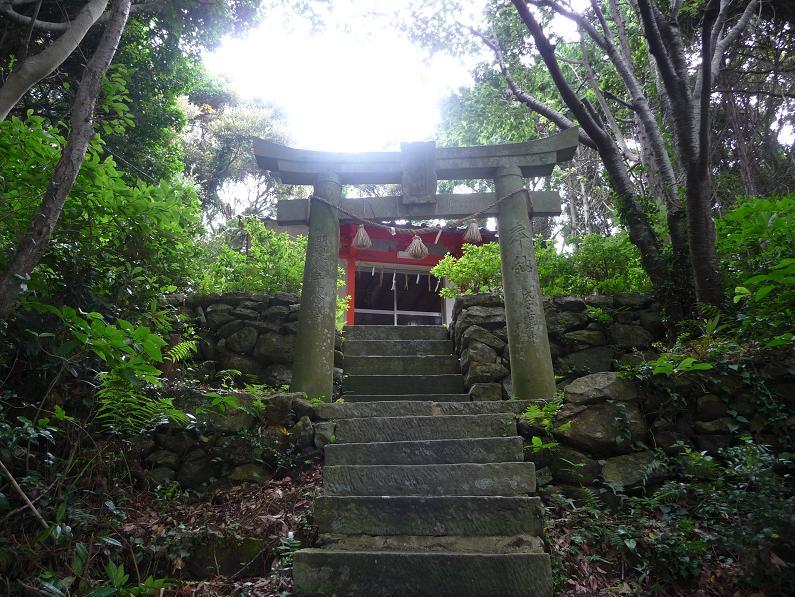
(586,335)
(251,333)
(609,425)
(244,443)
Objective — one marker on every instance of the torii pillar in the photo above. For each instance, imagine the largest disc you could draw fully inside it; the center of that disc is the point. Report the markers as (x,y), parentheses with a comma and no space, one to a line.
(313,366)
(532,376)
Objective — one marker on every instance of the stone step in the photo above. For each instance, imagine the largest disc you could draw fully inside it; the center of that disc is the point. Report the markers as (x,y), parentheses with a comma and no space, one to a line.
(444,451)
(387,574)
(396,429)
(414,365)
(426,543)
(348,398)
(502,478)
(389,348)
(420,515)
(395,332)
(403,384)
(416,408)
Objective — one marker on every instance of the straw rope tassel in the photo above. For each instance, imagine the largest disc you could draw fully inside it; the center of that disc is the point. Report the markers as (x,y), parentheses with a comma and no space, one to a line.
(417,248)
(472,235)
(362,239)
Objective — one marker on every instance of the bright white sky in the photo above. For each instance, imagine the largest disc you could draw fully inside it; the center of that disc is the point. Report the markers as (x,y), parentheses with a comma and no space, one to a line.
(357,85)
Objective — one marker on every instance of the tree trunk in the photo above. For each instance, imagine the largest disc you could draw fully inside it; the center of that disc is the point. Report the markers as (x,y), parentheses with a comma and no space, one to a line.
(35,68)
(33,244)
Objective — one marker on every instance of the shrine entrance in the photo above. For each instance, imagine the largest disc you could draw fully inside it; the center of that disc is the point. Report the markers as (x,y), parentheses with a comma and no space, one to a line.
(418,167)
(387,296)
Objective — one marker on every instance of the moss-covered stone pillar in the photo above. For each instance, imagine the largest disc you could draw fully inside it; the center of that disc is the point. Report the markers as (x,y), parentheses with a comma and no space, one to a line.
(531,362)
(313,368)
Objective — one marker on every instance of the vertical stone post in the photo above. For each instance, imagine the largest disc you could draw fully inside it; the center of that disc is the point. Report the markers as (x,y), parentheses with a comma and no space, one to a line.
(313,367)
(531,362)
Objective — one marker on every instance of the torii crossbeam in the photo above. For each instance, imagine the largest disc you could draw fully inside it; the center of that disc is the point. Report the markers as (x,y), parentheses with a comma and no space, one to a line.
(418,167)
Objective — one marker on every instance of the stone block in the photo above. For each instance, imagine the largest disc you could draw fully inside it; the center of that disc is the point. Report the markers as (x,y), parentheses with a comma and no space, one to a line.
(441,574)
(430,516)
(572,466)
(476,333)
(633,300)
(586,337)
(242,341)
(599,300)
(604,429)
(392,429)
(302,434)
(569,303)
(284,298)
(274,348)
(629,470)
(599,387)
(590,360)
(420,452)
(162,459)
(242,313)
(196,469)
(629,336)
(710,407)
(723,425)
(485,373)
(277,376)
(215,319)
(324,434)
(179,442)
(250,473)
(485,391)
(477,352)
(493,479)
(558,323)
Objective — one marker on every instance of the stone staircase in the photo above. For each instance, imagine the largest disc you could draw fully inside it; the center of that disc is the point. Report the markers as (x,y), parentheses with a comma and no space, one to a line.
(425,493)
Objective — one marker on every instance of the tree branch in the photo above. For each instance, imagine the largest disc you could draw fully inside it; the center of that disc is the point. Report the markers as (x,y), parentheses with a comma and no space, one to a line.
(528,100)
(35,68)
(7,10)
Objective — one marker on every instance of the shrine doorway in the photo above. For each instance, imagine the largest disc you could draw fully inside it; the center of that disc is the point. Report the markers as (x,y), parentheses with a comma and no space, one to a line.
(396,296)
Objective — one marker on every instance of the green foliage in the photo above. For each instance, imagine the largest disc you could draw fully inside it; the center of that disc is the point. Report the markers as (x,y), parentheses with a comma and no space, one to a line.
(542,415)
(598,265)
(754,236)
(768,301)
(124,403)
(477,270)
(118,246)
(252,257)
(734,512)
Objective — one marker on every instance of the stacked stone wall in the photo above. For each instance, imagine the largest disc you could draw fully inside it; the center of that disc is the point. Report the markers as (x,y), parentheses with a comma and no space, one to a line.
(612,428)
(586,335)
(255,335)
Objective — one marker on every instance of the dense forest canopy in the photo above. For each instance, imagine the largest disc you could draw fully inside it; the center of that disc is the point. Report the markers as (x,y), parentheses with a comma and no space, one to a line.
(127,178)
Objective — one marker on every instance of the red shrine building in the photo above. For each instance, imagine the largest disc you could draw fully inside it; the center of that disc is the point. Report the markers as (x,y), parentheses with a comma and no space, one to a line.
(389,287)
(386,285)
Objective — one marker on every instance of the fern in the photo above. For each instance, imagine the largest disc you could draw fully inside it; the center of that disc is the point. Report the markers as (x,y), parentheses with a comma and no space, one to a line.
(181,351)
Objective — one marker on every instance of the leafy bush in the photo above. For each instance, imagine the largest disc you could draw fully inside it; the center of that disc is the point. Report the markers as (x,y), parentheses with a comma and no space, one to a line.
(118,246)
(727,520)
(251,257)
(598,265)
(128,353)
(754,236)
(477,270)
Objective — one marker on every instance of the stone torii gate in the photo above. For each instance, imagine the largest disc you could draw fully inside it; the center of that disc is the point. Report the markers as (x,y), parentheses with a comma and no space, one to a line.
(417,167)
